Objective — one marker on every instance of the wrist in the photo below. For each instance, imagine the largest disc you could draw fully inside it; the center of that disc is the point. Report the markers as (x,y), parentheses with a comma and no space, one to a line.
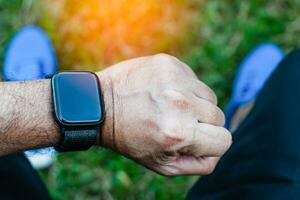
(106,136)
(46,102)
(39,109)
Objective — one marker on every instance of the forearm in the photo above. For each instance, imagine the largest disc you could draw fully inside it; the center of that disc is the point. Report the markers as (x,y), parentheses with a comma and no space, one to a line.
(26,119)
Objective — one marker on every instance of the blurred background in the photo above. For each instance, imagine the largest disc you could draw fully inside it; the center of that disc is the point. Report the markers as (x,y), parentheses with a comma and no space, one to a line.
(210,36)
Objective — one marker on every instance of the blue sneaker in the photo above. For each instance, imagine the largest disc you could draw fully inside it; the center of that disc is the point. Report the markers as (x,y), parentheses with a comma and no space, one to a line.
(252,74)
(30,56)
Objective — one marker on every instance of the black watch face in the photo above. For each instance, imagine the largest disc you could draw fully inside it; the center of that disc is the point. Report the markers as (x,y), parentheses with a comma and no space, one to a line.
(77,98)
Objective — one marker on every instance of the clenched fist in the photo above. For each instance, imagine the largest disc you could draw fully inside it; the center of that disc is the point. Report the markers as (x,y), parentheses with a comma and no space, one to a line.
(160,115)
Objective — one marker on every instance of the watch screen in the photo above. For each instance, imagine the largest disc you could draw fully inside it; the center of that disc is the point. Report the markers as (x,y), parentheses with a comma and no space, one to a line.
(77,98)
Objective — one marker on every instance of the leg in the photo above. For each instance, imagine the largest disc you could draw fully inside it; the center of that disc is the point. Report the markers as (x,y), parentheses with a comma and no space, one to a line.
(19,180)
(264,160)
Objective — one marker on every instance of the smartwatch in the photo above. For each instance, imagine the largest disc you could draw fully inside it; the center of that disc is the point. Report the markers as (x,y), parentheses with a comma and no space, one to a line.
(78,109)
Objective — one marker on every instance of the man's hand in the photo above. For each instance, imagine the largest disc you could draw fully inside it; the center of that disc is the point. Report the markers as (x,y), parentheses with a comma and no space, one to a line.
(159,114)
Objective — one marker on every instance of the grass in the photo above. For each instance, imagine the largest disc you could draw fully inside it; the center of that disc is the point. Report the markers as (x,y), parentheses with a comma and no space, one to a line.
(220,34)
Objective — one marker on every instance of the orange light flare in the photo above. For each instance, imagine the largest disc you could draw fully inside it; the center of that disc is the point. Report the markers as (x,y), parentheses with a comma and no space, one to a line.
(100,32)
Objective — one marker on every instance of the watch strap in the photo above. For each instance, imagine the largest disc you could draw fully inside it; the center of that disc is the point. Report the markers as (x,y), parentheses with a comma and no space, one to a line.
(77,139)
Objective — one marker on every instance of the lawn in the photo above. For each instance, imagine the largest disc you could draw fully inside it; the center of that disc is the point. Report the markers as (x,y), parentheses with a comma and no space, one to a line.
(211,36)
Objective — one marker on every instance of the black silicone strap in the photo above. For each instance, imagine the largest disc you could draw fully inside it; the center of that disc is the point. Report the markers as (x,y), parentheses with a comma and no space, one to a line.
(77,139)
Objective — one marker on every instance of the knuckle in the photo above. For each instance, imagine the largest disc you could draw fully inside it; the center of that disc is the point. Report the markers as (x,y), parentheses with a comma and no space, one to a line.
(228,139)
(152,125)
(168,95)
(211,96)
(205,92)
(176,99)
(181,103)
(215,115)
(220,117)
(167,63)
(172,134)
(172,137)
(214,112)
(171,140)
(162,57)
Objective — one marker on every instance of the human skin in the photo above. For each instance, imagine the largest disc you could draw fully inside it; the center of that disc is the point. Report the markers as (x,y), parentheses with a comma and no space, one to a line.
(157,113)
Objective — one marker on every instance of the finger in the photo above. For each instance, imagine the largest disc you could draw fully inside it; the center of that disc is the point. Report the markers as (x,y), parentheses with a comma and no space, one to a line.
(203,110)
(206,112)
(188,165)
(202,91)
(208,140)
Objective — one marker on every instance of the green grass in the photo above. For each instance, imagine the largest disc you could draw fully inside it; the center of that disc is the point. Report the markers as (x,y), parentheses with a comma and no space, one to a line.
(222,34)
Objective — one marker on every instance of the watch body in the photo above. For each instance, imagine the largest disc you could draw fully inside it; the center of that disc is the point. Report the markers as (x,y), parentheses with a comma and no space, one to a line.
(78,109)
